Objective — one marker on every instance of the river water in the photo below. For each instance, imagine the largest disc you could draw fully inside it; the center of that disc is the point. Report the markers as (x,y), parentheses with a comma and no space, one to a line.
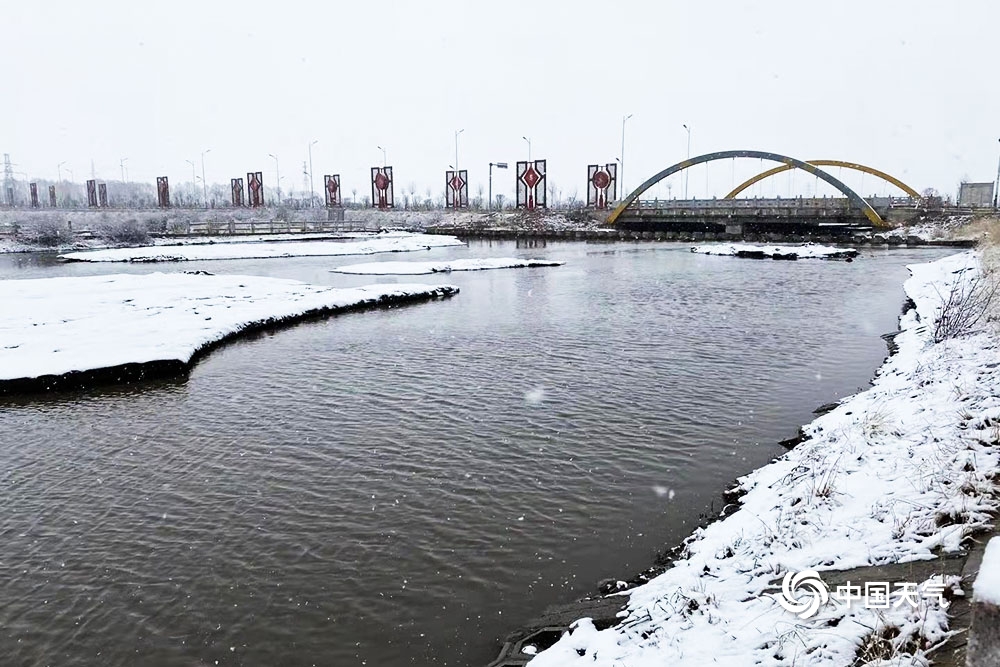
(403,487)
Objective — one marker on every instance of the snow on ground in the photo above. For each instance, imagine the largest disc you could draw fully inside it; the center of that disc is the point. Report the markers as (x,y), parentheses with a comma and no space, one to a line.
(395,242)
(417,268)
(802,251)
(893,474)
(57,325)
(987,585)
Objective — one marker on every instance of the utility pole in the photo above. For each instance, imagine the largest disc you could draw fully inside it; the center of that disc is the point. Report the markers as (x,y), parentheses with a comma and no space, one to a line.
(59,171)
(621,176)
(194,182)
(8,179)
(498,165)
(312,195)
(204,183)
(688,171)
(277,177)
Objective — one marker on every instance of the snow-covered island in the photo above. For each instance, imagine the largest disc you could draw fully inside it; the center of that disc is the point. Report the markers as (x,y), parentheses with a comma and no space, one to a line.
(445,266)
(904,471)
(70,332)
(374,244)
(752,251)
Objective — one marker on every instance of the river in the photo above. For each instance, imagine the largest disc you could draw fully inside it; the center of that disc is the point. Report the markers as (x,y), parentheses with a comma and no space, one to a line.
(403,487)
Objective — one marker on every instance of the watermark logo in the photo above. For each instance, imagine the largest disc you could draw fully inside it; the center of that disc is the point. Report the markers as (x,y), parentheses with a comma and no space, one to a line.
(803,593)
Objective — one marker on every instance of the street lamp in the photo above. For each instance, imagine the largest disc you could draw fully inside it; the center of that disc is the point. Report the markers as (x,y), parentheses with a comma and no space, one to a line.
(204,183)
(529,147)
(277,176)
(59,170)
(312,195)
(194,181)
(498,165)
(383,155)
(686,171)
(457,132)
(121,163)
(621,176)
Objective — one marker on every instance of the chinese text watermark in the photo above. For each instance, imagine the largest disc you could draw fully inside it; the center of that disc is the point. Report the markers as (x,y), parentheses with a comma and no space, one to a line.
(803,593)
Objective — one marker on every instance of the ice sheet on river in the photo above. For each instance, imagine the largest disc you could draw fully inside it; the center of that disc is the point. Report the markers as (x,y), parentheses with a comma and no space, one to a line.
(444,266)
(393,242)
(55,326)
(752,251)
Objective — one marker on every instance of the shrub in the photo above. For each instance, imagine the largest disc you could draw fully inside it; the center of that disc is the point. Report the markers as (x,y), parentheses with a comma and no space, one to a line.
(966,305)
(48,231)
(123,232)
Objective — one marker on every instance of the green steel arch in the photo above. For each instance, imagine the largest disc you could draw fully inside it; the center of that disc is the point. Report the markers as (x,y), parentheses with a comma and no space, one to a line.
(851,195)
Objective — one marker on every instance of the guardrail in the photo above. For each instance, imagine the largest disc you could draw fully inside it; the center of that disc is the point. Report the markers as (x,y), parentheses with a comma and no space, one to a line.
(252,227)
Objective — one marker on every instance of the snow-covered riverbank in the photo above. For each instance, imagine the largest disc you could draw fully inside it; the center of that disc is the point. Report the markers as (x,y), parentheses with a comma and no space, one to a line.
(900,472)
(392,242)
(56,331)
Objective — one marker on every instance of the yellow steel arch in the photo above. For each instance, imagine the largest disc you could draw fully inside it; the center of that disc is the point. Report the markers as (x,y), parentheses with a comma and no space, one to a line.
(825,163)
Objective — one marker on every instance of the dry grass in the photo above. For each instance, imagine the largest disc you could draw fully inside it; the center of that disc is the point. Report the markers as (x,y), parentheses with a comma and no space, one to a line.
(971,304)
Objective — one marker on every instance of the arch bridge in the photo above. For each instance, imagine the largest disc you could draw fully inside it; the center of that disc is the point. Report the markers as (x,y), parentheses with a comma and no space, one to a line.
(851,211)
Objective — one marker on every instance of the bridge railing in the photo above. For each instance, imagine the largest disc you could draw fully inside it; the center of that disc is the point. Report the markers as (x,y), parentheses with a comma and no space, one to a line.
(794,203)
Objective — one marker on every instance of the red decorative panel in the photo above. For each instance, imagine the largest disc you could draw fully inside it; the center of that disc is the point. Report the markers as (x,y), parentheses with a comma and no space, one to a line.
(236,185)
(255,189)
(162,192)
(531,184)
(456,189)
(331,188)
(382,187)
(92,193)
(602,184)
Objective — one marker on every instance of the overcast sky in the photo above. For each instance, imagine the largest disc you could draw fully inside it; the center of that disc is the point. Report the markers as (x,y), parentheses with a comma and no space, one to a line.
(909,87)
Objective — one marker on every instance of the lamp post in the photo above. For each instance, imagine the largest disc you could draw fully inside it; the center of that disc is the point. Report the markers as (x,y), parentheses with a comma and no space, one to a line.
(121,163)
(59,170)
(277,177)
(686,171)
(312,195)
(204,183)
(457,132)
(621,176)
(529,147)
(498,165)
(194,181)
(383,155)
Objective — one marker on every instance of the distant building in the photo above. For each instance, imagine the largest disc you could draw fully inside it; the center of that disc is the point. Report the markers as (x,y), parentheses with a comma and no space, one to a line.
(976,195)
